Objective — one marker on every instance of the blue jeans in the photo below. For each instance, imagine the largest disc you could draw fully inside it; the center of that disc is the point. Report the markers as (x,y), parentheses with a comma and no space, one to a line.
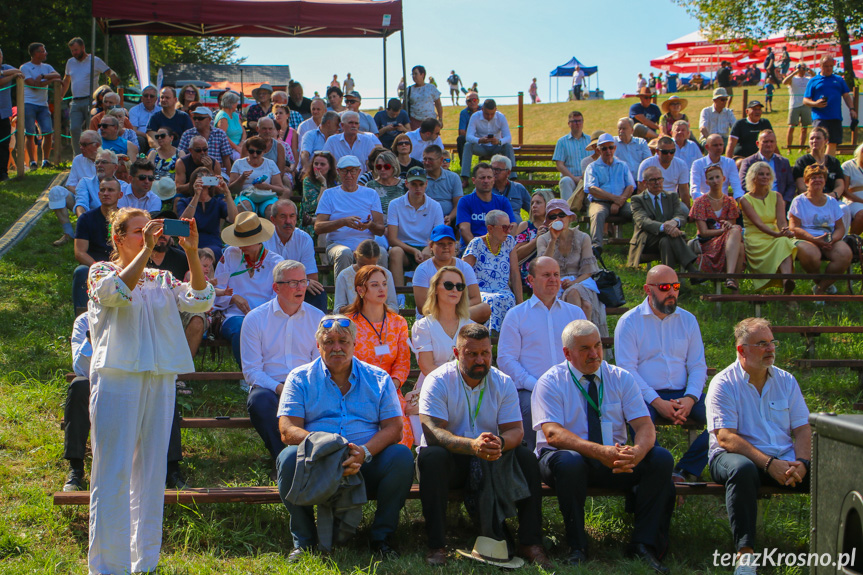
(695,458)
(485,151)
(388,477)
(36,114)
(263,406)
(231,329)
(79,286)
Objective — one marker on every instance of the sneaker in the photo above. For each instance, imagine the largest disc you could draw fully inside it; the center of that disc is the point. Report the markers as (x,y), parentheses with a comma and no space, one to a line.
(832,290)
(33,165)
(47,164)
(74,481)
(64,239)
(176,481)
(744,565)
(401,299)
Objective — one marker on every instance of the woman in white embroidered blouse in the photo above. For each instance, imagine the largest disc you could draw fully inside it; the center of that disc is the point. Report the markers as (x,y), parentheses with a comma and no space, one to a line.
(138,350)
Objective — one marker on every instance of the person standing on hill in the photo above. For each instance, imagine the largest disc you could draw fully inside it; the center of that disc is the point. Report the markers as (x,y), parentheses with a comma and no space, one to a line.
(455,85)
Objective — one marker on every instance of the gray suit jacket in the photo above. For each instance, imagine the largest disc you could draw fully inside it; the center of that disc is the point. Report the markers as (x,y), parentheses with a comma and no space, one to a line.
(646,222)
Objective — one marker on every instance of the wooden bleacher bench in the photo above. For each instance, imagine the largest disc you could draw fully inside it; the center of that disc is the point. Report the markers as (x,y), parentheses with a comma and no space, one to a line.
(270,494)
(810,332)
(760,299)
(852,364)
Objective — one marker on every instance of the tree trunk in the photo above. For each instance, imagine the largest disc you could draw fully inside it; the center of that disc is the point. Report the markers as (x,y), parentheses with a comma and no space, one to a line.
(844,44)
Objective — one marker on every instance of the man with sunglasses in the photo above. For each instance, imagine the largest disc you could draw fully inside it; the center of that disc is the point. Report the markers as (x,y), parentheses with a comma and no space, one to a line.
(716,119)
(140,194)
(277,337)
(61,199)
(609,183)
(339,394)
(658,218)
(660,345)
(109,129)
(759,432)
(353,101)
(218,146)
(197,157)
(529,342)
(674,172)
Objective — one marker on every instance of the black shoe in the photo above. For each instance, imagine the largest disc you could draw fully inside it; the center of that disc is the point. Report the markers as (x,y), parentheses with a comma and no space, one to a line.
(645,553)
(696,281)
(176,481)
(298,553)
(74,481)
(384,550)
(576,557)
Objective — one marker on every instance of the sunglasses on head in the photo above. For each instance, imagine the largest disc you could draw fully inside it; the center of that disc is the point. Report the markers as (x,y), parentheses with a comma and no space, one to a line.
(449,286)
(255,152)
(667,287)
(199,150)
(383,167)
(554,216)
(142,177)
(667,152)
(341,321)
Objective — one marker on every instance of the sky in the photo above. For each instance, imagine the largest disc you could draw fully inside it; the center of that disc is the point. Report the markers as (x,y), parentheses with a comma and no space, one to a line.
(500,44)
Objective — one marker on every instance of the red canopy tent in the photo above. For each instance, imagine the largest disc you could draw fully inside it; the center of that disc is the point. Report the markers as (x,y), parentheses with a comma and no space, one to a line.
(272,18)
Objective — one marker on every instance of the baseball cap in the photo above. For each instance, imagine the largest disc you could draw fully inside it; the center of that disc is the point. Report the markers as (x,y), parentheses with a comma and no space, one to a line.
(353,94)
(417,174)
(348,161)
(605,139)
(202,111)
(441,232)
(754,103)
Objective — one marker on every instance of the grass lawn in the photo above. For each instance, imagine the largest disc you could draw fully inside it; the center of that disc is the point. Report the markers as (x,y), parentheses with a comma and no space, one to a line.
(35,537)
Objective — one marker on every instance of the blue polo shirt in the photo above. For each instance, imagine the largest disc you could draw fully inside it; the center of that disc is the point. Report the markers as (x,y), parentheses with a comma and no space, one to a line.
(831,87)
(464,119)
(472,209)
(6,96)
(651,112)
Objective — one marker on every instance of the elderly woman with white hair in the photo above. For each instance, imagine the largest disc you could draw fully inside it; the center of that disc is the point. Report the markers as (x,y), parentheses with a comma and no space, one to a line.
(769,243)
(493,258)
(228,120)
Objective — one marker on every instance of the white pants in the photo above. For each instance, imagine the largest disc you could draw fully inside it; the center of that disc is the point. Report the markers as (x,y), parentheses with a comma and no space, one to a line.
(130,415)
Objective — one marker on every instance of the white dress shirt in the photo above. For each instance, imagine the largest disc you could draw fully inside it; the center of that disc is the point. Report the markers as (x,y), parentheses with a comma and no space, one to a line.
(688,153)
(530,339)
(300,248)
(273,343)
(764,419)
(257,289)
(82,351)
(556,399)
(361,148)
(661,354)
(478,127)
(149,203)
(698,183)
(418,145)
(717,122)
(675,174)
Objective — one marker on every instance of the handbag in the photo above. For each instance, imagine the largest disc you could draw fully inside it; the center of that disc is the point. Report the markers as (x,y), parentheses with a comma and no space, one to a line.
(610,286)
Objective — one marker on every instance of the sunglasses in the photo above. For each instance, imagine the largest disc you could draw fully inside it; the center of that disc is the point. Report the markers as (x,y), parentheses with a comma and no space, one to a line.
(667,287)
(103,126)
(383,167)
(404,143)
(142,178)
(446,161)
(254,152)
(148,95)
(667,152)
(199,150)
(499,170)
(342,322)
(160,136)
(554,216)
(605,148)
(449,286)
(200,118)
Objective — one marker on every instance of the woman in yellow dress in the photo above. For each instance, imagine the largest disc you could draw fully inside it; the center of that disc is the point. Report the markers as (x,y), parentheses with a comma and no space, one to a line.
(769,244)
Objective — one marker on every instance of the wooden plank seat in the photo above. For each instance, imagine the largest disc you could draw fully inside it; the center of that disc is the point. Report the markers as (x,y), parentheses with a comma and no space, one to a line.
(760,299)
(539,183)
(852,364)
(810,332)
(533,157)
(270,494)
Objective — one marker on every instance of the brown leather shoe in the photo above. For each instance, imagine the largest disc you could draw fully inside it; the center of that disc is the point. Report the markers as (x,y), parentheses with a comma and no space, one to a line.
(535,554)
(436,557)
(65,239)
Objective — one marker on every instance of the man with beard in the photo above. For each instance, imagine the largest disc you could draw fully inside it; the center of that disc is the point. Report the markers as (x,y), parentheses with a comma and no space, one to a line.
(469,411)
(660,345)
(296,245)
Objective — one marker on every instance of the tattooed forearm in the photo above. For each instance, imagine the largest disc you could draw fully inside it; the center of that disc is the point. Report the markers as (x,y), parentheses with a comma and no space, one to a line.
(436,433)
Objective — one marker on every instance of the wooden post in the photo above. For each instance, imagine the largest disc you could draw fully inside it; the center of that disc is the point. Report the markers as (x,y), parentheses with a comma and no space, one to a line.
(856,102)
(58,122)
(745,102)
(21,160)
(520,118)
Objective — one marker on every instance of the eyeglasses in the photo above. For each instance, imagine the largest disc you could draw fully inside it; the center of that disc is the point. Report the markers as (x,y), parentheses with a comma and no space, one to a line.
(667,287)
(449,286)
(499,170)
(102,162)
(103,126)
(255,152)
(142,178)
(654,180)
(160,136)
(667,152)
(605,148)
(763,344)
(383,167)
(293,284)
(87,144)
(351,171)
(199,150)
(554,216)
(446,160)
(341,321)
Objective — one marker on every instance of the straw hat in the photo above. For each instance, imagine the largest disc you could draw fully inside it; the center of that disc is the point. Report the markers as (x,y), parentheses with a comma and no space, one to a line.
(248,229)
(594,138)
(266,87)
(165,188)
(667,104)
(491,552)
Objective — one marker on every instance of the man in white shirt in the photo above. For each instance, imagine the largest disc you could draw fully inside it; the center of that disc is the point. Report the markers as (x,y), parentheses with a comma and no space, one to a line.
(245,267)
(87,189)
(675,173)
(428,134)
(277,337)
(529,343)
(140,114)
(78,76)
(487,134)
(297,245)
(687,150)
(581,408)
(717,119)
(61,199)
(759,432)
(577,82)
(351,142)
(697,181)
(410,221)
(660,345)
(141,196)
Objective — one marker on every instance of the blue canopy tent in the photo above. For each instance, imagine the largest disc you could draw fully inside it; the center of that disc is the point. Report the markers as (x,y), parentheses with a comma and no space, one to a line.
(568,69)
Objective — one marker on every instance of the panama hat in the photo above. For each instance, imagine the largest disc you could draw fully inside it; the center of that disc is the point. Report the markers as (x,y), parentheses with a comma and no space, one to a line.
(164,188)
(594,138)
(667,104)
(248,229)
(491,552)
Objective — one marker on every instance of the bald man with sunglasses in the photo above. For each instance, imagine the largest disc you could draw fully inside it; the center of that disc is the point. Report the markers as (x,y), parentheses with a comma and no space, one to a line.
(660,345)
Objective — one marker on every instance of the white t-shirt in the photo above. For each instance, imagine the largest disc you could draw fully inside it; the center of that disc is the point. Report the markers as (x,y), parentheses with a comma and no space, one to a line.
(31,71)
(427,334)
(796,90)
(261,174)
(337,203)
(80,74)
(676,173)
(816,220)
(426,270)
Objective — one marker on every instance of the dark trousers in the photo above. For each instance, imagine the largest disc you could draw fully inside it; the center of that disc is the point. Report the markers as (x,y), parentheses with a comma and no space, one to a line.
(459,146)
(5,131)
(673,252)
(571,473)
(524,396)
(742,478)
(695,458)
(263,406)
(79,286)
(388,477)
(319,301)
(441,470)
(76,415)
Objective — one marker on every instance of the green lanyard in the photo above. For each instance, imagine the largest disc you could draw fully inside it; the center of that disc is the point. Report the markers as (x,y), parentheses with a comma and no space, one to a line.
(586,395)
(254,266)
(472,416)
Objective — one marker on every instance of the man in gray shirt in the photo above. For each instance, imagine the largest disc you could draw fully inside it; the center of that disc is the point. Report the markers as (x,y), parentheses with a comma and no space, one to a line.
(443,185)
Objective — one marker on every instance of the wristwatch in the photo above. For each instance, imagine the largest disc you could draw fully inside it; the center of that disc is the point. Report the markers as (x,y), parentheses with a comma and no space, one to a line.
(368,457)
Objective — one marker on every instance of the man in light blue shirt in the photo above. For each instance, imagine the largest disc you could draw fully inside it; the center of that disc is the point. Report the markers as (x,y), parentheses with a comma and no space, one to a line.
(487,134)
(569,151)
(609,184)
(140,115)
(314,140)
(630,150)
(340,394)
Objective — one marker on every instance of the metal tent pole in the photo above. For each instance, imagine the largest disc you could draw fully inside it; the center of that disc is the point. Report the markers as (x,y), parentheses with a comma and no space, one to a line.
(385,68)
(404,62)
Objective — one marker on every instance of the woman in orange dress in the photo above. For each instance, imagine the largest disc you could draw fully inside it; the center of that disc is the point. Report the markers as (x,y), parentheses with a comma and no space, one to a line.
(382,334)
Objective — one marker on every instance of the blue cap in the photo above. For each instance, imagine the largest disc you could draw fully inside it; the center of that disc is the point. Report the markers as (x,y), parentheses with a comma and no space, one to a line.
(441,232)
